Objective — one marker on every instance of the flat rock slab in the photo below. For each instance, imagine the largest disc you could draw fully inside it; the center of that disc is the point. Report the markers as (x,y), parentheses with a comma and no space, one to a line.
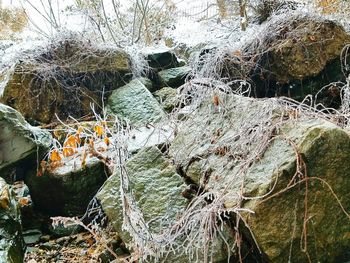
(135,103)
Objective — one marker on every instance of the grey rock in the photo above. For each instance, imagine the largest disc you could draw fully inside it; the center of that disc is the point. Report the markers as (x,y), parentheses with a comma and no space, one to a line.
(135,103)
(156,188)
(168,98)
(323,146)
(64,232)
(68,188)
(19,140)
(32,236)
(174,77)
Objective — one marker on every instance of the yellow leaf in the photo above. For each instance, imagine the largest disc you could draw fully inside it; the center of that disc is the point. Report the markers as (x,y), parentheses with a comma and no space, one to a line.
(99,130)
(55,156)
(77,139)
(4,198)
(80,130)
(57,134)
(72,141)
(68,151)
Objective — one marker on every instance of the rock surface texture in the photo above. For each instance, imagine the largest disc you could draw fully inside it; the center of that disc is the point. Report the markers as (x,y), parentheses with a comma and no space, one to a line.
(156,187)
(293,187)
(135,103)
(69,187)
(19,140)
(174,77)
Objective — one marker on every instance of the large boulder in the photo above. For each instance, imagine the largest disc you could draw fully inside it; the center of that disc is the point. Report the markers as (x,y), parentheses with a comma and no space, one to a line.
(11,241)
(301,55)
(135,103)
(63,79)
(19,141)
(294,55)
(290,168)
(306,221)
(157,190)
(156,186)
(69,187)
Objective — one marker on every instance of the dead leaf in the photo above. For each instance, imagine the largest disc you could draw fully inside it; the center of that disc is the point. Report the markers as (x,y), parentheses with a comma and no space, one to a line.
(106,141)
(41,169)
(216,100)
(55,156)
(80,130)
(68,151)
(4,198)
(237,53)
(24,201)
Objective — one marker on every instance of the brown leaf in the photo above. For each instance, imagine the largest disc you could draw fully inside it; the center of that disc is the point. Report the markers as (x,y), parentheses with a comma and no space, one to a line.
(216,100)
(24,201)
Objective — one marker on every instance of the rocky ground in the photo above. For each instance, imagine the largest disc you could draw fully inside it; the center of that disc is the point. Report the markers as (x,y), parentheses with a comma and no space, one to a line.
(208,161)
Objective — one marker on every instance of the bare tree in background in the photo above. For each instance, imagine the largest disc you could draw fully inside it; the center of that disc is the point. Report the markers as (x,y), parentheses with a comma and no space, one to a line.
(222,8)
(243,14)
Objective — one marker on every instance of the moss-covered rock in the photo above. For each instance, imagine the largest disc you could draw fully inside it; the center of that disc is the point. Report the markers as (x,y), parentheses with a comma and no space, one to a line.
(156,188)
(135,103)
(157,191)
(64,79)
(19,141)
(294,55)
(174,77)
(11,241)
(307,216)
(68,188)
(214,157)
(168,98)
(296,52)
(290,60)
